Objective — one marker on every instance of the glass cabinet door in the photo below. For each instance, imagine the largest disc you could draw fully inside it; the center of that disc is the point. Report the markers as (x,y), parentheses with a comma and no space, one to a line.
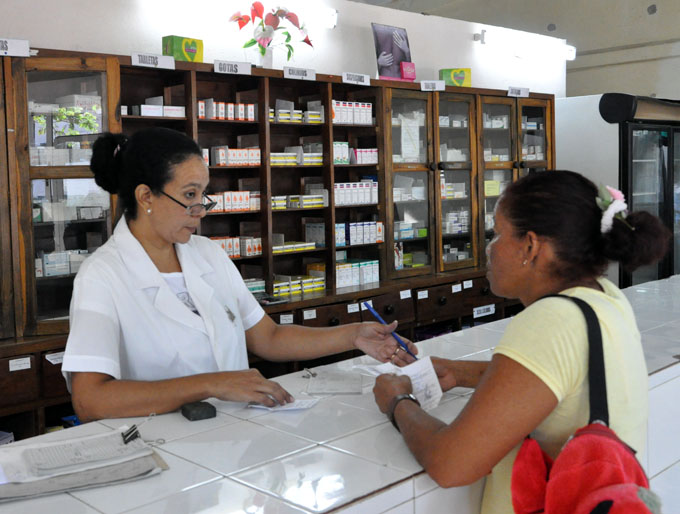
(456,171)
(648,167)
(411,223)
(67,104)
(534,149)
(409,130)
(71,219)
(676,202)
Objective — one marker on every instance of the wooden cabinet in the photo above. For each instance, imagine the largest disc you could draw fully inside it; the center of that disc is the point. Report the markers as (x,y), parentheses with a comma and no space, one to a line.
(59,106)
(382,192)
(515,138)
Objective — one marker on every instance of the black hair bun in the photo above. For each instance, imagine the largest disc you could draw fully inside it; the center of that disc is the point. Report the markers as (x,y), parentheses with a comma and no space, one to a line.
(643,239)
(106,163)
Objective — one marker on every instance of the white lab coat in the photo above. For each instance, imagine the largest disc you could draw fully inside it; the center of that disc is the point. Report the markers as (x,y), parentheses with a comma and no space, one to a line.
(127,323)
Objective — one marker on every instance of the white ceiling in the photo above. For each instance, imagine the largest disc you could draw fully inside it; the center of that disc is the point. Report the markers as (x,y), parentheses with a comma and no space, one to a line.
(590,25)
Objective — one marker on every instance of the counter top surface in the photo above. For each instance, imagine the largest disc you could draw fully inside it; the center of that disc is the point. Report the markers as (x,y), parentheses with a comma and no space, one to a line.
(342,454)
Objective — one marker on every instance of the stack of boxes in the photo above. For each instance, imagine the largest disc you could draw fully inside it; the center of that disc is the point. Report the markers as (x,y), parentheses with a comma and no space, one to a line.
(355,193)
(235,201)
(456,222)
(357,233)
(280,245)
(210,109)
(285,112)
(409,230)
(291,285)
(352,113)
(225,156)
(451,190)
(60,263)
(254,285)
(154,107)
(236,247)
(310,201)
(343,154)
(453,254)
(356,272)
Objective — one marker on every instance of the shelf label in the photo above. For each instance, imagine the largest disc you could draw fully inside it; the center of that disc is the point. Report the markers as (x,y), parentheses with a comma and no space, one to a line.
(432,85)
(19,364)
(55,358)
(467,284)
(299,73)
(456,288)
(356,78)
(233,67)
(286,319)
(166,62)
(405,294)
(423,294)
(484,310)
(15,47)
(352,307)
(309,314)
(519,92)
(369,302)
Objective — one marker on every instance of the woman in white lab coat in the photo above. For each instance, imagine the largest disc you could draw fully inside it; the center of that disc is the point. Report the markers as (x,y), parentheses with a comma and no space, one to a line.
(161,317)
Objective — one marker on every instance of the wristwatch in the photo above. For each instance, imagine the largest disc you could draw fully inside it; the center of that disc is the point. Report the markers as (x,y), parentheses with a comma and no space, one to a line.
(393,405)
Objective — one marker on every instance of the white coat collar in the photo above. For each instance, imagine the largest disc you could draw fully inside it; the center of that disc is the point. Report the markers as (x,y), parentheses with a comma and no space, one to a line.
(145,276)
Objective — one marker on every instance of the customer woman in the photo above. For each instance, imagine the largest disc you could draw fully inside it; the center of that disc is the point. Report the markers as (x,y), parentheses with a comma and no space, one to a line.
(551,236)
(161,317)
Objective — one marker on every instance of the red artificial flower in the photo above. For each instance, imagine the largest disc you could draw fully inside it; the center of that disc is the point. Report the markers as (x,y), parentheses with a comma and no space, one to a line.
(306,40)
(256,10)
(271,20)
(292,17)
(242,20)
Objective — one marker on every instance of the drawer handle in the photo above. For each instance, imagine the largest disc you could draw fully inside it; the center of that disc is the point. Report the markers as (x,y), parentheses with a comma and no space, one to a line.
(389,309)
(485,290)
(333,322)
(441,300)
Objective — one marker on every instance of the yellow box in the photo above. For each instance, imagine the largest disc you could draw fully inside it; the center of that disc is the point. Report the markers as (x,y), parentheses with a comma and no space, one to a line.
(461,77)
(183,48)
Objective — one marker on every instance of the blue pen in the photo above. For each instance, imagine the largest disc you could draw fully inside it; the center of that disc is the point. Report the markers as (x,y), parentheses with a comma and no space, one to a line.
(377,316)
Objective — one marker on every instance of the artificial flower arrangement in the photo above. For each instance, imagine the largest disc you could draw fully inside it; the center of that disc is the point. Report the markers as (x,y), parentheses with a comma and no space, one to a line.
(268,26)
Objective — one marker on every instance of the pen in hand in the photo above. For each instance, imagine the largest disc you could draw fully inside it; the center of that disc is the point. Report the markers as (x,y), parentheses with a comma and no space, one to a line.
(396,337)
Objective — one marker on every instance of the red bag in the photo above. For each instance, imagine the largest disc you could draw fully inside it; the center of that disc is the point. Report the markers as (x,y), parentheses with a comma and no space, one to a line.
(596,472)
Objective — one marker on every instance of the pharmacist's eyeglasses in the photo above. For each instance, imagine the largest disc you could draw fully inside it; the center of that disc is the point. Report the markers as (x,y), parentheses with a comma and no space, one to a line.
(195,209)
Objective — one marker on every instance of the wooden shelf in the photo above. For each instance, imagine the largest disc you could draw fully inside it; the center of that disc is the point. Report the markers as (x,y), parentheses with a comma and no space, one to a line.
(153,118)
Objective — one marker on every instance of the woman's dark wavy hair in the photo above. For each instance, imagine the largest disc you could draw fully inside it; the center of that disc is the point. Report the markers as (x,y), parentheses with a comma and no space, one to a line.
(560,205)
(120,164)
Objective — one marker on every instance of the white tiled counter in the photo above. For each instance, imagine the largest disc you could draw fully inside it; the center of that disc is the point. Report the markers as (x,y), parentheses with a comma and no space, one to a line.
(343,455)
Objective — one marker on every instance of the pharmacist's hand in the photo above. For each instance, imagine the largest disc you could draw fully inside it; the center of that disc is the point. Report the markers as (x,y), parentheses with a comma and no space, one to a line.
(400,41)
(376,340)
(385,59)
(446,376)
(388,386)
(248,386)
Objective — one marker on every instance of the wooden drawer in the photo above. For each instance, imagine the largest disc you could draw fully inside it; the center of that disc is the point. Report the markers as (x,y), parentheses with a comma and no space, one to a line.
(391,306)
(53,382)
(285,318)
(439,303)
(331,315)
(478,295)
(20,385)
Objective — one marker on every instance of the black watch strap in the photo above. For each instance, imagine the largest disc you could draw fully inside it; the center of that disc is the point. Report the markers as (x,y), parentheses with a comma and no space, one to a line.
(393,405)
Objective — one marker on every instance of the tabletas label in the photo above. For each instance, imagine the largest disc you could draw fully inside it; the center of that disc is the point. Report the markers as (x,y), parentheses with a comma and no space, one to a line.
(153,61)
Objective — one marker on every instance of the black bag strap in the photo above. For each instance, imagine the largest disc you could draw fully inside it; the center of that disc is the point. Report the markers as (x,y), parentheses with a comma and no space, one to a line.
(599,411)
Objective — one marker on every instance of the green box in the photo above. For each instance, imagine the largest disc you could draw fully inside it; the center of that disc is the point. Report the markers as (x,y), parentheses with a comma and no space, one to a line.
(461,77)
(183,48)
(422,232)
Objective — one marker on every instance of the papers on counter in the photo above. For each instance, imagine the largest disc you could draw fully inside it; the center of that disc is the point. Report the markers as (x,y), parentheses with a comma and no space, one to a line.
(42,468)
(423,378)
(296,405)
(335,382)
